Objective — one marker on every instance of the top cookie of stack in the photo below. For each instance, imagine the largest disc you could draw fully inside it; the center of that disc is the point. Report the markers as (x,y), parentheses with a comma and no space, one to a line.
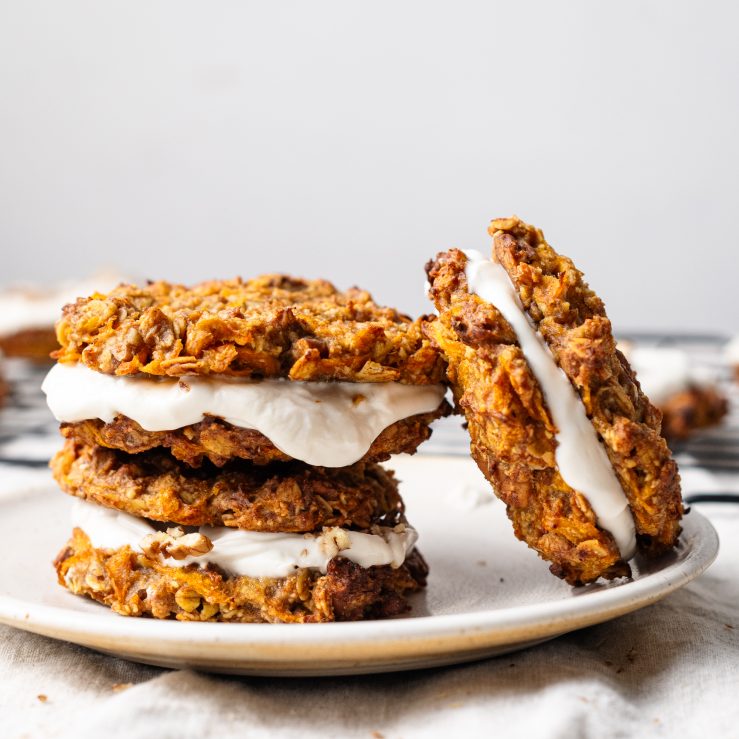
(268,328)
(271,326)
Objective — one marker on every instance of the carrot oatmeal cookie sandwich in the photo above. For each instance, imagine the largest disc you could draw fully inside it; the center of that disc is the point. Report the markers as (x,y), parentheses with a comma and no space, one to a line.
(558,422)
(224,443)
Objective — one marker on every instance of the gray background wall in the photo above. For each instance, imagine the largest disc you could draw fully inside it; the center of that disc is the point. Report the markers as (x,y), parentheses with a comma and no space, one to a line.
(354,140)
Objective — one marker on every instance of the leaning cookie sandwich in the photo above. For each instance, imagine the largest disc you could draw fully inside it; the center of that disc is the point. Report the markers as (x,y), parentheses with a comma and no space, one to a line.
(557,419)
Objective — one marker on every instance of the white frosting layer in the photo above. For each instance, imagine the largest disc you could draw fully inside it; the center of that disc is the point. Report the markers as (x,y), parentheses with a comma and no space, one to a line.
(663,372)
(28,308)
(254,553)
(581,458)
(327,424)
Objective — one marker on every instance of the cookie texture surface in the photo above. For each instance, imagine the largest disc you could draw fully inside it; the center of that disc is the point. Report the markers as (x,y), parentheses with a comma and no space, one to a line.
(511,429)
(286,497)
(218,441)
(133,584)
(271,326)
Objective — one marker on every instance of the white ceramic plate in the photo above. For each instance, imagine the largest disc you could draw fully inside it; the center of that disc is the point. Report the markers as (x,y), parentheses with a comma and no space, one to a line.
(487,594)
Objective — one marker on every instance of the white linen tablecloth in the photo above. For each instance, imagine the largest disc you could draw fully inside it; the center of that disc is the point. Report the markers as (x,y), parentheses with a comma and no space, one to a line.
(671,669)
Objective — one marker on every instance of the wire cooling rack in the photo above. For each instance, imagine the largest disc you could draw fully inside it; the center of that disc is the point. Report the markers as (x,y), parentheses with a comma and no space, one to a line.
(29,434)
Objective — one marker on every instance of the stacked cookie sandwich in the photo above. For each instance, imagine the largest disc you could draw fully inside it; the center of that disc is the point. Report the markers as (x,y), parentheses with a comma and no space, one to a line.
(224,443)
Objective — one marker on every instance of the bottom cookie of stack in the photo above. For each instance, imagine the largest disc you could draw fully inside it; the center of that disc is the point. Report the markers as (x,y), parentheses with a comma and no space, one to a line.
(362,568)
(133,584)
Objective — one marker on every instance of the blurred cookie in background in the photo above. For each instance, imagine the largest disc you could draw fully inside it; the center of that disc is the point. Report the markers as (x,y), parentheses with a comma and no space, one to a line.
(731,352)
(688,395)
(28,313)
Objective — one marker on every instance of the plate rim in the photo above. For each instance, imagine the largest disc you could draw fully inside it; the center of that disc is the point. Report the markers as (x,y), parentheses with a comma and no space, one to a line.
(408,639)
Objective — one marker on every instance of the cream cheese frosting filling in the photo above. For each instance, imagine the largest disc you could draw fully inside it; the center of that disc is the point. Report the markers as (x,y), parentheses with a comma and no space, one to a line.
(326,424)
(254,553)
(580,456)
